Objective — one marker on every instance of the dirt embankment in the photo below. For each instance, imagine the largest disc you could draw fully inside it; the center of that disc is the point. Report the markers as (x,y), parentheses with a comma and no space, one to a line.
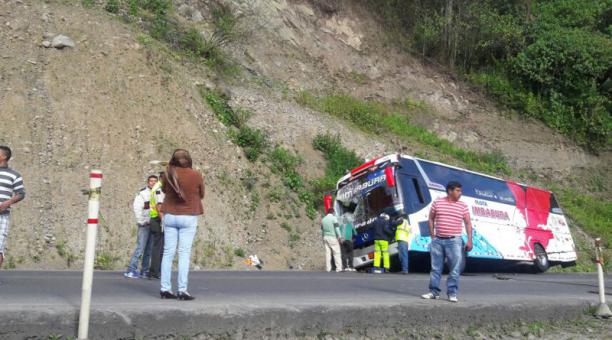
(118,99)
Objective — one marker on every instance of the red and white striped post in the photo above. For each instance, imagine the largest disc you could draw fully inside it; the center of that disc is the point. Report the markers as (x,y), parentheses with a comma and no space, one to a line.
(95,188)
(603,311)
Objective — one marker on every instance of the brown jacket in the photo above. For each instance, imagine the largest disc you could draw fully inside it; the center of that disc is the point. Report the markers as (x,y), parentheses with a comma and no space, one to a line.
(192,184)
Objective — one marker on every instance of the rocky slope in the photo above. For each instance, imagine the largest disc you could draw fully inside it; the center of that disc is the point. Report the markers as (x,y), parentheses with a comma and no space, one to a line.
(119,99)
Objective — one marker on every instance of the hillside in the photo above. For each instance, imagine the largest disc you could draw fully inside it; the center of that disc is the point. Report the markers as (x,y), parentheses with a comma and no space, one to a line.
(126,95)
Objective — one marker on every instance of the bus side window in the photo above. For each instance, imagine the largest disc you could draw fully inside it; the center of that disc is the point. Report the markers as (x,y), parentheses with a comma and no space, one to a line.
(554,206)
(414,198)
(418,190)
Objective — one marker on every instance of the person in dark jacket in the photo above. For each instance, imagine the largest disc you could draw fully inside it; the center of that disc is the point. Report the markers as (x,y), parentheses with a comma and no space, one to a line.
(383,233)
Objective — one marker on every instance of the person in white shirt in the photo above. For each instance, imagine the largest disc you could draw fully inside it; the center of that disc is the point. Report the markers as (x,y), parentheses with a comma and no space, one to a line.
(143,240)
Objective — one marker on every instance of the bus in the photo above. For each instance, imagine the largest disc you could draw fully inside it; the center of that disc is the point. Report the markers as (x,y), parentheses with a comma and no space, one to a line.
(511,221)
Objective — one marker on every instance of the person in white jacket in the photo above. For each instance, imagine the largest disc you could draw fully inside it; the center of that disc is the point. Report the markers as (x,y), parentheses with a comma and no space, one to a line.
(143,239)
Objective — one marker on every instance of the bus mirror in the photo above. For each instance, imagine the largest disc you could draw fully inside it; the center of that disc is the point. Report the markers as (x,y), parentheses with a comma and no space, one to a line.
(327,200)
(389,177)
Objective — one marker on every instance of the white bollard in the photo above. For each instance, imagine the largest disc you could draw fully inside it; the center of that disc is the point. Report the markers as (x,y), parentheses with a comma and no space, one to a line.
(95,187)
(603,311)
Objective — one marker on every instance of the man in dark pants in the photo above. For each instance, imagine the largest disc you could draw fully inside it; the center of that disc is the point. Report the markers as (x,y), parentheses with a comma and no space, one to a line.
(157,231)
(347,232)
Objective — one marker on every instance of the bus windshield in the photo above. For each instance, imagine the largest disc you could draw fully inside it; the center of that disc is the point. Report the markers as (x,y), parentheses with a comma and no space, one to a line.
(365,197)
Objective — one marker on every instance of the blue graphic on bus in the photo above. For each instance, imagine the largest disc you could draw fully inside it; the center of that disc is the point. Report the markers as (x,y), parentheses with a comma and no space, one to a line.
(481,247)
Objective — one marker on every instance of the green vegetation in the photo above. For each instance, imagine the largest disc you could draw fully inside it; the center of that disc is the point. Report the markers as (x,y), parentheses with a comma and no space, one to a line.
(228,253)
(65,253)
(591,214)
(550,60)
(378,117)
(239,252)
(339,160)
(254,142)
(286,226)
(158,19)
(105,261)
(112,6)
(10,262)
(293,239)
(87,3)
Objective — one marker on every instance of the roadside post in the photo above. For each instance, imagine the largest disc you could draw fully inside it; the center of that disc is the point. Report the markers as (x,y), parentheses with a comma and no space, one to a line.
(95,187)
(603,311)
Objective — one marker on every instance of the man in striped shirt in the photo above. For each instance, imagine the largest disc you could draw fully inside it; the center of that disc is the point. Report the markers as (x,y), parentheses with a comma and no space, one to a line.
(11,192)
(446,220)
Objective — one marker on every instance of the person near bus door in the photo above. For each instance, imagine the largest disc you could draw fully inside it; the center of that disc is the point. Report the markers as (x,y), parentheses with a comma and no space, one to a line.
(330,230)
(402,236)
(383,233)
(347,232)
(446,220)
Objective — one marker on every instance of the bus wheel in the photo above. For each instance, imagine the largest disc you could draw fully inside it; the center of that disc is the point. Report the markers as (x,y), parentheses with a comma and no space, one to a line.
(540,262)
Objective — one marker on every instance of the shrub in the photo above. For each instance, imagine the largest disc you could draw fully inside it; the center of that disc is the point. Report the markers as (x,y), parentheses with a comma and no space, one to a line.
(239,252)
(253,141)
(224,112)
(112,6)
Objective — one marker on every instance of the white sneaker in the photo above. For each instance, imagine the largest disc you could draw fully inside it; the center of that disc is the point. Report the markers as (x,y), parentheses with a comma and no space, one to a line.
(430,296)
(453,298)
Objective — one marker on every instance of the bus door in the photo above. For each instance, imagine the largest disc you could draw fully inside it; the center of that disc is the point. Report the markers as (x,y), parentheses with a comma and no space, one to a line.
(415,198)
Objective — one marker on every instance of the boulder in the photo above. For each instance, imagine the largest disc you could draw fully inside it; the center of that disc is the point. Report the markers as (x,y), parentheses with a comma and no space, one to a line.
(61,41)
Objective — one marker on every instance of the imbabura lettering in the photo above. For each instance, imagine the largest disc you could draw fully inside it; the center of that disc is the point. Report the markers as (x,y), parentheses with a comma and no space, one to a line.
(490,213)
(349,191)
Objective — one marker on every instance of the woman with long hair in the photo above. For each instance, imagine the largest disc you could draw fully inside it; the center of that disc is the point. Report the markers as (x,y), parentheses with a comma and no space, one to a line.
(184,189)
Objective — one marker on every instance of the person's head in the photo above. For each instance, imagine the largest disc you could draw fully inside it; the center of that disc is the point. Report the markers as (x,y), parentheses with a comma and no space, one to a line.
(330,211)
(5,153)
(453,190)
(181,158)
(151,180)
(384,216)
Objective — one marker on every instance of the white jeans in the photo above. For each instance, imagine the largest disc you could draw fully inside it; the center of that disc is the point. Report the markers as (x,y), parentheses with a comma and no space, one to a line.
(332,245)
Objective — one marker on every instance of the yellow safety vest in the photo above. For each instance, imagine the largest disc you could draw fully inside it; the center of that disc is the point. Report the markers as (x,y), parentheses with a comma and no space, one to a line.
(403,232)
(153,213)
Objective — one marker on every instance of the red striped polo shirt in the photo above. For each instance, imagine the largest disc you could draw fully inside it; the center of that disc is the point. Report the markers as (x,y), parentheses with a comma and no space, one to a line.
(449,217)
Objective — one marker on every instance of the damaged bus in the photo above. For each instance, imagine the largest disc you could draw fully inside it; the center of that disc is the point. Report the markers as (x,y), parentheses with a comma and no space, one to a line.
(511,221)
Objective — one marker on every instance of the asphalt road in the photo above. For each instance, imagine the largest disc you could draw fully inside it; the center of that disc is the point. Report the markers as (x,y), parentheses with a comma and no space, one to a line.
(32,303)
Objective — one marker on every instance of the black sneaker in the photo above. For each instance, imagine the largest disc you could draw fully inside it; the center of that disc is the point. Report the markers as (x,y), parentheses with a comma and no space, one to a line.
(185,296)
(167,295)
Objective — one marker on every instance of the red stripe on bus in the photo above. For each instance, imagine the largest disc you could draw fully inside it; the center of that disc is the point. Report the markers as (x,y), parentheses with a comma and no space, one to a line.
(95,175)
(363,166)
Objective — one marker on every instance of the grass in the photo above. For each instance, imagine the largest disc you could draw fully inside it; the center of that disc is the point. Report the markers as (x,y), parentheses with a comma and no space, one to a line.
(378,117)
(157,18)
(239,252)
(64,253)
(105,261)
(286,226)
(339,160)
(254,142)
(591,214)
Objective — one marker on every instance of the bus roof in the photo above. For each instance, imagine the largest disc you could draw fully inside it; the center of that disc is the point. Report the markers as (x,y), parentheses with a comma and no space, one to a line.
(395,157)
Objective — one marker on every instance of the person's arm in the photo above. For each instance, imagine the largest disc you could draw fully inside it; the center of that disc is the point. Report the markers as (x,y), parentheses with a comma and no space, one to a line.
(432,218)
(337,229)
(159,200)
(19,194)
(138,208)
(468,230)
(7,204)
(202,188)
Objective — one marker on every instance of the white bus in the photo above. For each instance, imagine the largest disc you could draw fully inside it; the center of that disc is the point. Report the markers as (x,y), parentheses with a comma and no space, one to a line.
(511,221)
